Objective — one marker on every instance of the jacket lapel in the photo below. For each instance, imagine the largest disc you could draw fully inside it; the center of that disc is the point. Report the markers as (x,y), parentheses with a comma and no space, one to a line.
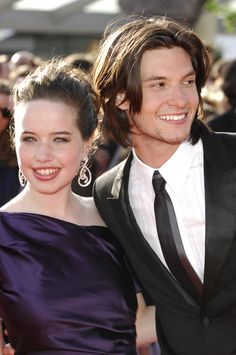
(220,179)
(121,206)
(123,211)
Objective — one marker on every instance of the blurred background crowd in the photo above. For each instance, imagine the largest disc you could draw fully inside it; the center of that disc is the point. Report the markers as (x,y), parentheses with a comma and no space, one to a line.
(72,29)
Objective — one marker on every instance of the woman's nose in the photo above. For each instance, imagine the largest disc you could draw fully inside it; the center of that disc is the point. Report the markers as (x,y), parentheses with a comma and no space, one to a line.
(44,152)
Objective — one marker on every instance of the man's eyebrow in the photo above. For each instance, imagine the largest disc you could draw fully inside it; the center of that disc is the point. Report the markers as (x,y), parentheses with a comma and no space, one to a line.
(155,77)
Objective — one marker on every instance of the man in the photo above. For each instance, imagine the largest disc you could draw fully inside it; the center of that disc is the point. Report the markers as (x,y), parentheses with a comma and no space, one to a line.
(149,73)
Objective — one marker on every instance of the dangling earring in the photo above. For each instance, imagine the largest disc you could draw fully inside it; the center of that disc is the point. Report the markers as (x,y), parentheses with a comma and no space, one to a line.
(22,179)
(85,176)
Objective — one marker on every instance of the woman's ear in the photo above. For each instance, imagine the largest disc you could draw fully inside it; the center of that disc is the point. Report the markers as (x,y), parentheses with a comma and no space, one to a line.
(122,105)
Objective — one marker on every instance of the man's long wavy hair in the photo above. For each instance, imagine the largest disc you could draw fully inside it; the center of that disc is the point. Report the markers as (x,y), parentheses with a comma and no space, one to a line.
(117,68)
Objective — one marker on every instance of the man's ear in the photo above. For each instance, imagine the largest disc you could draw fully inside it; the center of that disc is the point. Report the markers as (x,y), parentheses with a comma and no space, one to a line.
(123,105)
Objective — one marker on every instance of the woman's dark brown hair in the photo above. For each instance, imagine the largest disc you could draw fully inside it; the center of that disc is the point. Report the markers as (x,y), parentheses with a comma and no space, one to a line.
(58,81)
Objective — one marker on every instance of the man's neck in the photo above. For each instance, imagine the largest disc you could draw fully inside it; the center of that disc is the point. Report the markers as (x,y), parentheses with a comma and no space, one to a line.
(156,156)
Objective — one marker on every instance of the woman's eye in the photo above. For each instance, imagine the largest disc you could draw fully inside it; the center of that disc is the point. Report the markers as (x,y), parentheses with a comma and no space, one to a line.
(28,139)
(61,139)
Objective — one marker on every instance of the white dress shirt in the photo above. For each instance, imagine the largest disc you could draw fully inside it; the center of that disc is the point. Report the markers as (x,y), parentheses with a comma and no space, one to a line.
(184,177)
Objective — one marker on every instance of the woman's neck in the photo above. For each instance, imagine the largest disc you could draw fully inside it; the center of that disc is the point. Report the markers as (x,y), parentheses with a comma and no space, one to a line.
(59,205)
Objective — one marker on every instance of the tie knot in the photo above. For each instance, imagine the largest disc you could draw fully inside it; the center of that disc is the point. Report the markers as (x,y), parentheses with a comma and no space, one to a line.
(158,182)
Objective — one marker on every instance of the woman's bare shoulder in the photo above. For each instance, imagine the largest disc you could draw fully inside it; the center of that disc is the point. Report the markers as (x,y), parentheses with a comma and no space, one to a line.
(92,215)
(14,205)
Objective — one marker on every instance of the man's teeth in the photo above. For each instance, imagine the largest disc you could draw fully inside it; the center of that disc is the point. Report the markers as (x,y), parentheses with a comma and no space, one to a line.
(46,171)
(173,117)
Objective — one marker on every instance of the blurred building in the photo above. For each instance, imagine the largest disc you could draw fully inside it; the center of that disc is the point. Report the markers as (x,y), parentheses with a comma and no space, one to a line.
(60,27)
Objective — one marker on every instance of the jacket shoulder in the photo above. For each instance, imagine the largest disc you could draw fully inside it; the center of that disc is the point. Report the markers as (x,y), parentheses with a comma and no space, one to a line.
(220,149)
(103,184)
(229,141)
(226,122)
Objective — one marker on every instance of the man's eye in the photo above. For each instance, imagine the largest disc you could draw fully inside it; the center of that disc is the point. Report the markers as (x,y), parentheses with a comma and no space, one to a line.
(158,85)
(190,82)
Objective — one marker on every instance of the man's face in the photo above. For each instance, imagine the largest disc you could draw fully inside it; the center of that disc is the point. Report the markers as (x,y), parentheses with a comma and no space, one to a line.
(170,98)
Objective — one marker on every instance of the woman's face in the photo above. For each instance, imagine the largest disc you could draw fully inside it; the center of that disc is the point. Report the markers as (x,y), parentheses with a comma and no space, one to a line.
(48,144)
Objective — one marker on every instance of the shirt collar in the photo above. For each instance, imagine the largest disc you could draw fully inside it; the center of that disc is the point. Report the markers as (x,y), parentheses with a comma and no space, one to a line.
(175,170)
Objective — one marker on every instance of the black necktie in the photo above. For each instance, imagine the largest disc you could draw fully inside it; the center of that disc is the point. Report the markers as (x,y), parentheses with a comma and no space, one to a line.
(171,242)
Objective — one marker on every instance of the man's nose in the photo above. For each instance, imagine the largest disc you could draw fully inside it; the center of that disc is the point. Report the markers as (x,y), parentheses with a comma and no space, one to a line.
(178,97)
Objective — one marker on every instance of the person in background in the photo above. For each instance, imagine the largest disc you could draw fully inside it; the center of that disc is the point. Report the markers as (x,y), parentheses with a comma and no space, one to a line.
(172,203)
(226,121)
(24,57)
(213,97)
(84,61)
(65,284)
(20,72)
(4,67)
(9,183)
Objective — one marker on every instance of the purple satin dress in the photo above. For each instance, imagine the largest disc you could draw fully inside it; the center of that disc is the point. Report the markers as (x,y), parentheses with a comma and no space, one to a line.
(64,288)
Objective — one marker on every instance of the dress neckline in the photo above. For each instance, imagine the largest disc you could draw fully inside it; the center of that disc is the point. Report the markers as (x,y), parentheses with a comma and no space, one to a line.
(59,220)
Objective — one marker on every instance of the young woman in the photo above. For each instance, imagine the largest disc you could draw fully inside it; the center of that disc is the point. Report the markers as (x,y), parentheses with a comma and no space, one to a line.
(65,286)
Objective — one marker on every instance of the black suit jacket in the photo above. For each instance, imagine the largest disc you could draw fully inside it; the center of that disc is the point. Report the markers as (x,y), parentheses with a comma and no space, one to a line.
(184,326)
(225,122)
